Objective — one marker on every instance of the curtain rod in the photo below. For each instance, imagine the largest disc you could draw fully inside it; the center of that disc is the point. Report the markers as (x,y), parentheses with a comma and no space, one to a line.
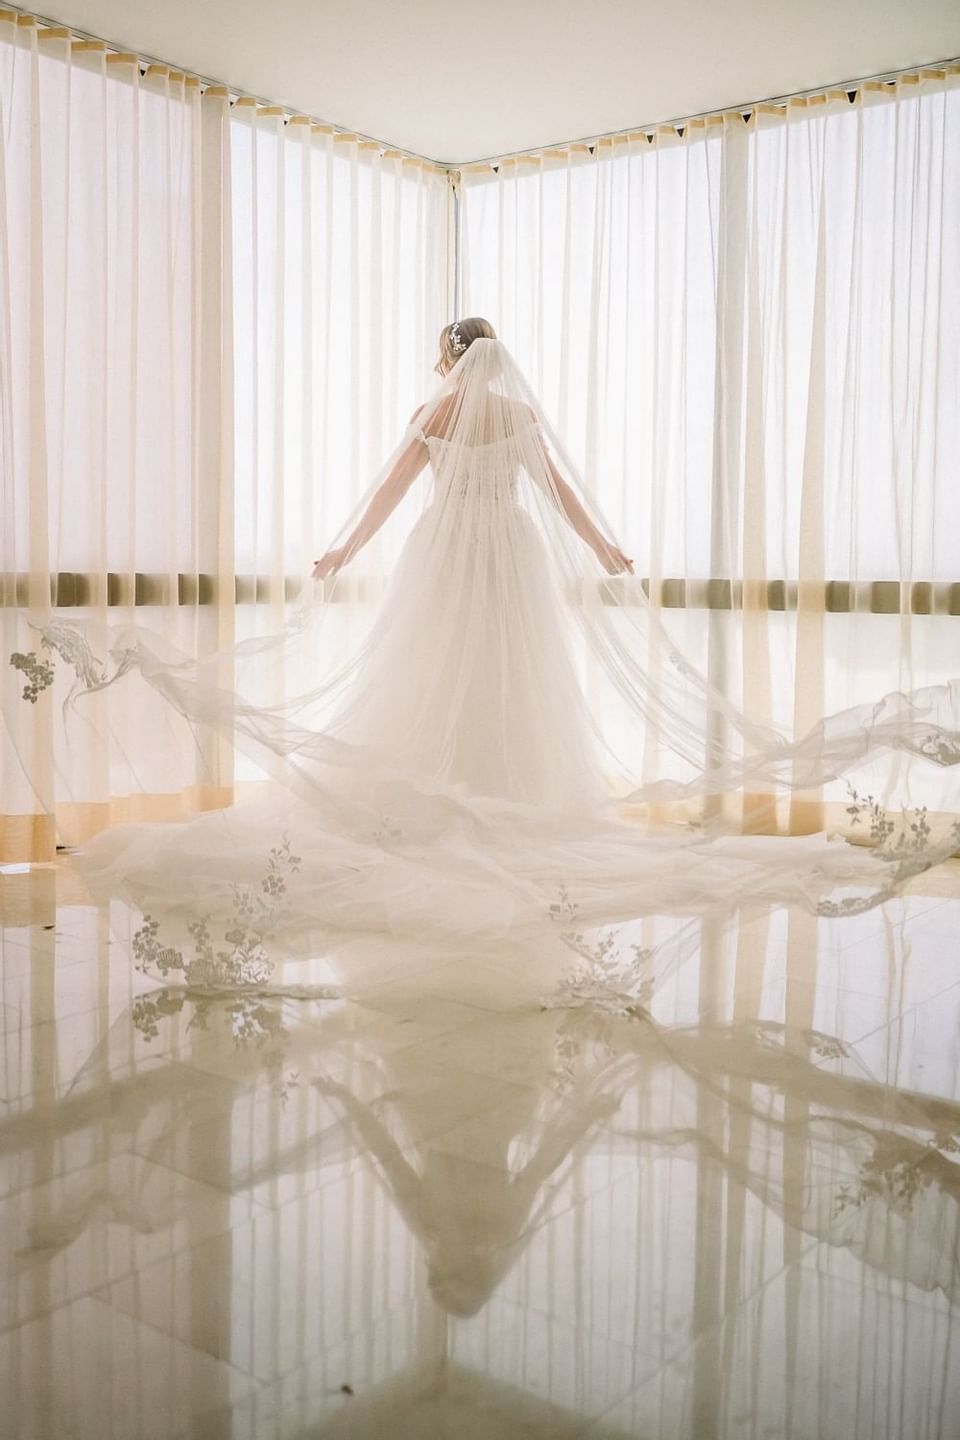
(681,122)
(207,80)
(453,168)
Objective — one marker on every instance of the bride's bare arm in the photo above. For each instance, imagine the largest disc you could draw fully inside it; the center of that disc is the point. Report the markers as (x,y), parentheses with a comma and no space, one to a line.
(611,557)
(385,500)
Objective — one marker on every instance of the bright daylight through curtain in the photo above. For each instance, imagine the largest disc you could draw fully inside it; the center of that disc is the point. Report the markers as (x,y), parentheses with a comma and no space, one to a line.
(748,334)
(217,322)
(213,325)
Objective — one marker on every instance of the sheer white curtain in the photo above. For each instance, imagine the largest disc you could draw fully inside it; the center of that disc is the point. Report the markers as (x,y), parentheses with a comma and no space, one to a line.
(213,325)
(116,448)
(339,282)
(747,335)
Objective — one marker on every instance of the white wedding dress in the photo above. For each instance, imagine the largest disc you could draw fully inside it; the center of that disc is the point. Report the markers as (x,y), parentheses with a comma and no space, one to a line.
(456,765)
(467,673)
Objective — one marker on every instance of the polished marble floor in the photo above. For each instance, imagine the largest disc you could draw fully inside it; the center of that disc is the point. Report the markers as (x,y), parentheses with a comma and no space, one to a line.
(443,1210)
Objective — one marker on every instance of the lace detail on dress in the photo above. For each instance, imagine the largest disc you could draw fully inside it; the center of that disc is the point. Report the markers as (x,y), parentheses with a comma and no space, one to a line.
(490,470)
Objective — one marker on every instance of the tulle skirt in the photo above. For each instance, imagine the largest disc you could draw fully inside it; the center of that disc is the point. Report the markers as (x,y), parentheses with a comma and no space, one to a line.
(467,677)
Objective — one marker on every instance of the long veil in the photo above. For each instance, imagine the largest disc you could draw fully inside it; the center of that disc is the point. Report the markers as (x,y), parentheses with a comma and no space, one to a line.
(477,726)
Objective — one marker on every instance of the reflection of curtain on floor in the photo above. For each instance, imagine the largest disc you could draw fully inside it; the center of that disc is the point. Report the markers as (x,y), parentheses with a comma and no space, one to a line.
(745,332)
(737,1177)
(212,326)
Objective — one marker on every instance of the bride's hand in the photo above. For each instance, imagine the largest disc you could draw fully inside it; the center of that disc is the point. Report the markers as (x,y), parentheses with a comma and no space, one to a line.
(329,564)
(613,560)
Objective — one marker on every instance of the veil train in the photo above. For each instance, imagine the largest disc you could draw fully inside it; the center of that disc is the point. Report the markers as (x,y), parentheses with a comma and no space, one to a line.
(504,740)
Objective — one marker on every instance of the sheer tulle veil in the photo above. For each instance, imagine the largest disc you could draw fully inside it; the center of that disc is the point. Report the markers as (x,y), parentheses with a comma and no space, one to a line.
(477,727)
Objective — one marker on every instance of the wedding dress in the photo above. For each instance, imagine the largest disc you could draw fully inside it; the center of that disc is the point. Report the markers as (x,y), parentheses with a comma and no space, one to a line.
(462,756)
(466,674)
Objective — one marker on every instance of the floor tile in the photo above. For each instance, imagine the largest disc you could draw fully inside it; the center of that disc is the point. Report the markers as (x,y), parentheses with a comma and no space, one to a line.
(85,1371)
(437,1207)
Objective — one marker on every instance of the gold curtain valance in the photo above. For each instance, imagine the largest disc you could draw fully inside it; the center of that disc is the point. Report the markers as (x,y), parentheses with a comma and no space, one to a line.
(669,132)
(661,133)
(78,44)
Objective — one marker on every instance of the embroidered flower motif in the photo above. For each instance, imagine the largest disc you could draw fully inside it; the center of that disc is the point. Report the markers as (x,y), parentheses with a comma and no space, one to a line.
(609,979)
(246,961)
(73,647)
(909,850)
(895,1174)
(38,673)
(941,750)
(69,643)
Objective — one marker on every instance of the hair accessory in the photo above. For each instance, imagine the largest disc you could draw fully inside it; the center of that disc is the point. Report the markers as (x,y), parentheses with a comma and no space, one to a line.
(458,345)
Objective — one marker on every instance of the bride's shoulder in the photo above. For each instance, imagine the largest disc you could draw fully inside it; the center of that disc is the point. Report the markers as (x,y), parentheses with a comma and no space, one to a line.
(510,418)
(530,421)
(438,416)
(518,414)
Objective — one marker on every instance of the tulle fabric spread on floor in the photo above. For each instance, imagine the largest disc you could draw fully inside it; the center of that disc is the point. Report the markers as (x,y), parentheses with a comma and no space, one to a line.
(463,753)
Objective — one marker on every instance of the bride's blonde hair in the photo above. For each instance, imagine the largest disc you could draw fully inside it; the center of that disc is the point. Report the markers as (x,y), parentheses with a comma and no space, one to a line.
(473,328)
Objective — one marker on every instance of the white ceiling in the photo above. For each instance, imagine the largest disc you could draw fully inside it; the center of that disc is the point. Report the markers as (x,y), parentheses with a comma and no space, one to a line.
(459,80)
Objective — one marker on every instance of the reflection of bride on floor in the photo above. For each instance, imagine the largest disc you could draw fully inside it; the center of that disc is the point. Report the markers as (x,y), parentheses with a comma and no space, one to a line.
(837,1157)
(448,771)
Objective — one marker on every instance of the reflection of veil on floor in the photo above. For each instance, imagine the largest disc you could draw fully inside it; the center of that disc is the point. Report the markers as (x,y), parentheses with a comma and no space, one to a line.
(440,775)
(887,1196)
(476,1173)
(448,1189)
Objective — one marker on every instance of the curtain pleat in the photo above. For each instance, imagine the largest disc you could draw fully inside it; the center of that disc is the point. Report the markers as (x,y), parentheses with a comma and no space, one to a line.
(215,321)
(338,293)
(745,331)
(214,325)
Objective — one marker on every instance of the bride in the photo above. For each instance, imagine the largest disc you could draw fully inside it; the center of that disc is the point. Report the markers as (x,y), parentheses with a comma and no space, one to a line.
(467,674)
(507,740)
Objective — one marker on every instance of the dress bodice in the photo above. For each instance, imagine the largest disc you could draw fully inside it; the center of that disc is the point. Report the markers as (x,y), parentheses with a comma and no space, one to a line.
(494,463)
